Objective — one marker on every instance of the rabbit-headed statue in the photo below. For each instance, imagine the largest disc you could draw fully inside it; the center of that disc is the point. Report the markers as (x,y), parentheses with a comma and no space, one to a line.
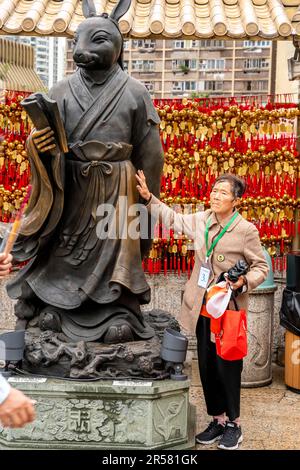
(85,277)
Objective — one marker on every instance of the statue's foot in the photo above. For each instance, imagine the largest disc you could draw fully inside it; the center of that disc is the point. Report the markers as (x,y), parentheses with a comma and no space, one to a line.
(118,333)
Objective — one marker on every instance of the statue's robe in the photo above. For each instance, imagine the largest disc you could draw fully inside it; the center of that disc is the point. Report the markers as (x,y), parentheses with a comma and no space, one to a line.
(111,131)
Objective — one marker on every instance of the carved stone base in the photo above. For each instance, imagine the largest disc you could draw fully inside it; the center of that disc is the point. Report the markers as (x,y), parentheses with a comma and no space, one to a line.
(49,353)
(105,415)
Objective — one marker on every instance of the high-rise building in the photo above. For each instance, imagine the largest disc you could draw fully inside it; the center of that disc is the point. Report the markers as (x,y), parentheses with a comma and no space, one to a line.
(70,65)
(57,60)
(176,68)
(49,56)
(286,50)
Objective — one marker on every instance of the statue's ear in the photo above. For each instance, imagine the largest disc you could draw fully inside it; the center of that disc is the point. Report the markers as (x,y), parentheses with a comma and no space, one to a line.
(88,8)
(120,9)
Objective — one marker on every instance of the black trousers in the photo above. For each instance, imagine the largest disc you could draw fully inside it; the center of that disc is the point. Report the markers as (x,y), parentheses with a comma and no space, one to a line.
(221,380)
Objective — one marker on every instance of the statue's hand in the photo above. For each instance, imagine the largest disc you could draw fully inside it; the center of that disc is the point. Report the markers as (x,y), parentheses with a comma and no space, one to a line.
(142,185)
(44,139)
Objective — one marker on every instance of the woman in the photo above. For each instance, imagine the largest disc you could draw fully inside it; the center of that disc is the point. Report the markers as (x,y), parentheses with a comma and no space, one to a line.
(229,238)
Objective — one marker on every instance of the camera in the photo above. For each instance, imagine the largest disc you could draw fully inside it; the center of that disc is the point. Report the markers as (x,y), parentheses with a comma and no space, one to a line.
(239,269)
(11,350)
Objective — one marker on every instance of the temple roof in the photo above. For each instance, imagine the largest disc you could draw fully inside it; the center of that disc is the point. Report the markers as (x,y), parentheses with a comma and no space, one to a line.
(231,19)
(17,67)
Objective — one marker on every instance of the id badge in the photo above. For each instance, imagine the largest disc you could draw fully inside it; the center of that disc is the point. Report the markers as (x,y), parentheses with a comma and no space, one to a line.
(204,275)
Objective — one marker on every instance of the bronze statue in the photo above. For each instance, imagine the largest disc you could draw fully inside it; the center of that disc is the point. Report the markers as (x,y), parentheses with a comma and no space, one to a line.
(76,284)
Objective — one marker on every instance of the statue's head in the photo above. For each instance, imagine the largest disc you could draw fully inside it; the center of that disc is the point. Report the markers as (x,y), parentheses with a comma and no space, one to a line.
(98,42)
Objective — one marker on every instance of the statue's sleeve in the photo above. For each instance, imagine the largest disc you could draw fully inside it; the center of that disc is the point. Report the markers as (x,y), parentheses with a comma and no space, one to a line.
(46,202)
(148,155)
(147,152)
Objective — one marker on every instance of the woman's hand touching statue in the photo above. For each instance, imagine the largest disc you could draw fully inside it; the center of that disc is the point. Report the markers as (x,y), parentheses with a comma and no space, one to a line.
(142,185)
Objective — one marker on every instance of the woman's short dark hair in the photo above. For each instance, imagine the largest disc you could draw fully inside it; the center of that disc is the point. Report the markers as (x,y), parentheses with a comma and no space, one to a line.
(238,186)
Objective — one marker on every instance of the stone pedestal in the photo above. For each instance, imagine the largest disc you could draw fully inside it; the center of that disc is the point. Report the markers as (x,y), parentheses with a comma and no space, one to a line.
(105,415)
(257,370)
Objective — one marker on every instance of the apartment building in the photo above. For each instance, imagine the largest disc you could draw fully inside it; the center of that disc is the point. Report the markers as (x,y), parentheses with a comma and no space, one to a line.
(177,68)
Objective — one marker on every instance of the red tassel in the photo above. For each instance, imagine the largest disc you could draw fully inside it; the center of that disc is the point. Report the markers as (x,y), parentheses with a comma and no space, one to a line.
(183,264)
(281,263)
(282,246)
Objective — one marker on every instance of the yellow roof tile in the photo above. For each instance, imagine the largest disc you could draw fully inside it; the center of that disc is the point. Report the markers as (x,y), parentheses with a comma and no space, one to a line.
(259,2)
(202,11)
(296,16)
(290,3)
(233,11)
(163,18)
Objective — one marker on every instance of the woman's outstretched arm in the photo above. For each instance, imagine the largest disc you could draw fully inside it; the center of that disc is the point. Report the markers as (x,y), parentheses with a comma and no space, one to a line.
(191,225)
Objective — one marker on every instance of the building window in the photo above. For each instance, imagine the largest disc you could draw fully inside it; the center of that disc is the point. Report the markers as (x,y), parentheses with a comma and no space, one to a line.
(185,44)
(211,44)
(144,43)
(149,86)
(125,63)
(126,44)
(184,64)
(184,86)
(143,65)
(255,64)
(257,85)
(254,44)
(213,85)
(212,64)
(179,44)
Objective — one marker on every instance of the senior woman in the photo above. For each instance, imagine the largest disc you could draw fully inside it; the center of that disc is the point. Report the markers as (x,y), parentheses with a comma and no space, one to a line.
(221,238)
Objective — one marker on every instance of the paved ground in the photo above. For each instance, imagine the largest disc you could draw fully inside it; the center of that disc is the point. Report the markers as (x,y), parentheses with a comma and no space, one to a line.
(270,415)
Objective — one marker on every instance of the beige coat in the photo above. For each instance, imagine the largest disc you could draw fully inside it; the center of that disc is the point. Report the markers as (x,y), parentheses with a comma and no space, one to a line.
(241,241)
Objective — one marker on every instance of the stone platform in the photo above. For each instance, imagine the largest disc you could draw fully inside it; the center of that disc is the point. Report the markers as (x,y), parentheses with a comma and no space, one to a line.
(105,415)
